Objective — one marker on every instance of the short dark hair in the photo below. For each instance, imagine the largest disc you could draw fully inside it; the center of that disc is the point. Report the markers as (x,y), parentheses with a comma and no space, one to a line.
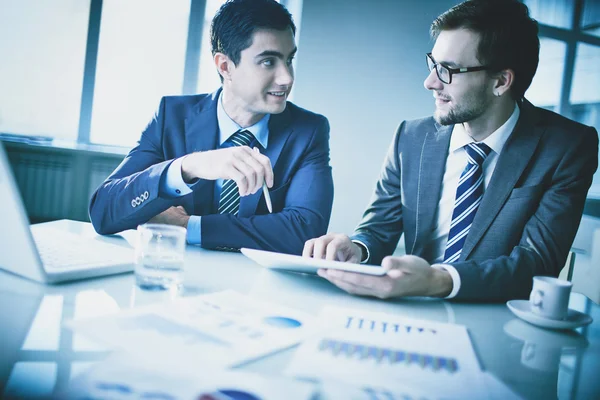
(236,21)
(508,36)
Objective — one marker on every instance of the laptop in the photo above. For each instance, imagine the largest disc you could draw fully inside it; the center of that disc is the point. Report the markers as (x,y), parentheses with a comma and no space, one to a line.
(46,254)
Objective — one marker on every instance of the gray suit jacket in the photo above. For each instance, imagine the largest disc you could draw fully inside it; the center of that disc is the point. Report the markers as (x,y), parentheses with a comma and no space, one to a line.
(529,214)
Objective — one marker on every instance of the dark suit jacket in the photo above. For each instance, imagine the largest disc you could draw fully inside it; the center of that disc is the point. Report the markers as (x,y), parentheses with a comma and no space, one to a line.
(302,193)
(529,214)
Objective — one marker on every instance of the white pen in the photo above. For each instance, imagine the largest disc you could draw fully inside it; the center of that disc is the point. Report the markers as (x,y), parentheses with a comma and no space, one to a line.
(266,191)
(267,198)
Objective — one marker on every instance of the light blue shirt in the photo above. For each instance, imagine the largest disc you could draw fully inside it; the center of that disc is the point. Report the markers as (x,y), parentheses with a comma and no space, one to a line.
(175,186)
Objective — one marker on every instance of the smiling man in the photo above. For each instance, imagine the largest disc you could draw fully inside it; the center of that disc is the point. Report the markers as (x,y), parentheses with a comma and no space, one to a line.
(202,160)
(489,191)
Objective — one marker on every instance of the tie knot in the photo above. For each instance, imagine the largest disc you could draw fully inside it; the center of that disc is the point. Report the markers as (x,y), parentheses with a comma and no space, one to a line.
(241,138)
(477,152)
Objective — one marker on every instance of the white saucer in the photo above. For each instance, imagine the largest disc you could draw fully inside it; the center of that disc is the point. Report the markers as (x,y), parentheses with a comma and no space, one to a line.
(574,319)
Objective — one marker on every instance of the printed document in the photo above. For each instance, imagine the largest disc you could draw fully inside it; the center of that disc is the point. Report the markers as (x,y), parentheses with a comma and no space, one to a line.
(221,330)
(379,350)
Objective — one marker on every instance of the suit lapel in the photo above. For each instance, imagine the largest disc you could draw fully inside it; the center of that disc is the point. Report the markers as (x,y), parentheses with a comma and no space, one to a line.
(279,132)
(201,134)
(513,160)
(431,172)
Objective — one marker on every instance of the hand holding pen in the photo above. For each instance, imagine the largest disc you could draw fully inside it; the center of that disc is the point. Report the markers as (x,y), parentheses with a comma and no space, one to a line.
(247,167)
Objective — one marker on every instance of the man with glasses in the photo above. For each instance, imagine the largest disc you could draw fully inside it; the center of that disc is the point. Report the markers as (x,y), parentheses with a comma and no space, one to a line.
(489,191)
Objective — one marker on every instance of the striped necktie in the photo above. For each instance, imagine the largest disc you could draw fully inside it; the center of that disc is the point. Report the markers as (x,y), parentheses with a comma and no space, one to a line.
(468,197)
(229,202)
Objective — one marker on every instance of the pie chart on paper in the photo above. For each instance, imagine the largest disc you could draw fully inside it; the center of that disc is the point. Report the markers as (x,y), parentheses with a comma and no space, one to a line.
(282,322)
(228,394)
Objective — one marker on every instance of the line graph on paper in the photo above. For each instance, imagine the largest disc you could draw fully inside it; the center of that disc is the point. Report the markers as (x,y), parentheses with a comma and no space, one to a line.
(162,327)
(362,353)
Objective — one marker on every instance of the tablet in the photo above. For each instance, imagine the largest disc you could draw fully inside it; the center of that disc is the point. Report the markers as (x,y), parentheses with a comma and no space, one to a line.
(292,263)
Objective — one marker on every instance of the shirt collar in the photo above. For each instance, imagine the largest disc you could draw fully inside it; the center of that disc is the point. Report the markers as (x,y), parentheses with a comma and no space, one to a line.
(495,141)
(228,127)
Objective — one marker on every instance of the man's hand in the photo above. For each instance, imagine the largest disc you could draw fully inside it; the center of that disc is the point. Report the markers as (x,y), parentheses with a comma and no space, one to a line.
(249,169)
(406,276)
(172,216)
(333,246)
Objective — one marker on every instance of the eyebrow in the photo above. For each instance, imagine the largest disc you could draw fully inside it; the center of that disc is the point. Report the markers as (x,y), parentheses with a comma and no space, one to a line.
(450,64)
(274,53)
(445,63)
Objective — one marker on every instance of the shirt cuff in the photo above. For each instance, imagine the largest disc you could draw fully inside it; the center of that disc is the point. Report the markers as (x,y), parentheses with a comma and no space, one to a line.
(194,235)
(364,247)
(455,278)
(174,185)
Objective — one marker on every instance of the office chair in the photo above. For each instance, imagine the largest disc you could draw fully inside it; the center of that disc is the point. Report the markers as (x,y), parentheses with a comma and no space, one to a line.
(586,277)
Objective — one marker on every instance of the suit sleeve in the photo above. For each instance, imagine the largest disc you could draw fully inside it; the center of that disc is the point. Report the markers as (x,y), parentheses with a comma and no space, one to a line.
(382,225)
(305,214)
(130,195)
(547,236)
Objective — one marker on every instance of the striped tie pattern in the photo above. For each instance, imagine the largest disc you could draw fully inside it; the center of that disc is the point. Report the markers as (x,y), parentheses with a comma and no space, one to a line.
(229,202)
(468,197)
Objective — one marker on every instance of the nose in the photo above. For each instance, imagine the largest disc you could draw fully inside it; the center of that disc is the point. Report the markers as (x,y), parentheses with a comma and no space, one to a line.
(285,75)
(432,82)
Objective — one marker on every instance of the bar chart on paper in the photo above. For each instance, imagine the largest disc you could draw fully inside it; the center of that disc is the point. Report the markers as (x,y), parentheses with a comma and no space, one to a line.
(383,326)
(375,349)
(387,356)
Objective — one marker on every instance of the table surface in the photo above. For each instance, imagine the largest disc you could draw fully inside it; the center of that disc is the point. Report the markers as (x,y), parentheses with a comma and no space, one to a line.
(37,347)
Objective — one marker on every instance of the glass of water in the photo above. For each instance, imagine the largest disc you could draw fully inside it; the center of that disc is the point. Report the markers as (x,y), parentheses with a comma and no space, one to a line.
(159,256)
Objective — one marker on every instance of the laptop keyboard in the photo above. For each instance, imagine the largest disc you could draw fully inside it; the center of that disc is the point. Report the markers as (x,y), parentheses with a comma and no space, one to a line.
(60,250)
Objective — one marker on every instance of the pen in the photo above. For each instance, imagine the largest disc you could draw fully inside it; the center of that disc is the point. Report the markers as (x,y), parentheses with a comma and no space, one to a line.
(266,191)
(267,198)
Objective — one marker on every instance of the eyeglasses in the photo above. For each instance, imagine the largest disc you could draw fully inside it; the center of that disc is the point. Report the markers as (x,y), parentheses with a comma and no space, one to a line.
(445,73)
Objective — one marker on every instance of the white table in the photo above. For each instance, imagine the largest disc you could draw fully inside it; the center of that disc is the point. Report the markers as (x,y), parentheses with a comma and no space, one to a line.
(39,356)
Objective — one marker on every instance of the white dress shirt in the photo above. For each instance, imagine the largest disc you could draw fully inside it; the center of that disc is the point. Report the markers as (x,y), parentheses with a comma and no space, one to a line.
(455,164)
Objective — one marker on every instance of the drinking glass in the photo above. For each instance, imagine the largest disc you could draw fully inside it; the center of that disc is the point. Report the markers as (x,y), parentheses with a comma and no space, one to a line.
(159,256)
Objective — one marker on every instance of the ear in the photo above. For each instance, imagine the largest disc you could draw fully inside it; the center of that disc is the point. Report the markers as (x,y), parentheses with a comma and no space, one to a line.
(504,81)
(224,65)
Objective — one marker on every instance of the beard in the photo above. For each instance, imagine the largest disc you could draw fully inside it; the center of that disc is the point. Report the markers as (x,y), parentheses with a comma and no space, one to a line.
(470,108)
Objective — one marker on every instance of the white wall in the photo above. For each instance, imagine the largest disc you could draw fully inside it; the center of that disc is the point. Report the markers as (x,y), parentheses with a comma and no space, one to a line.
(361,63)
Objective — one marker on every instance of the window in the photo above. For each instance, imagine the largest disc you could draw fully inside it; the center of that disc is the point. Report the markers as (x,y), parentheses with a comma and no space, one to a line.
(567,79)
(208,77)
(141,56)
(557,13)
(41,72)
(546,85)
(590,21)
(586,76)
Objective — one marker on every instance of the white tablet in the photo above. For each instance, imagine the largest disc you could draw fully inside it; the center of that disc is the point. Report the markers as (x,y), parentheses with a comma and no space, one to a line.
(289,262)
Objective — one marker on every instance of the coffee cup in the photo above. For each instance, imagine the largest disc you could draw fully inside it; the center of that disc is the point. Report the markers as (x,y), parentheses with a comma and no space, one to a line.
(550,297)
